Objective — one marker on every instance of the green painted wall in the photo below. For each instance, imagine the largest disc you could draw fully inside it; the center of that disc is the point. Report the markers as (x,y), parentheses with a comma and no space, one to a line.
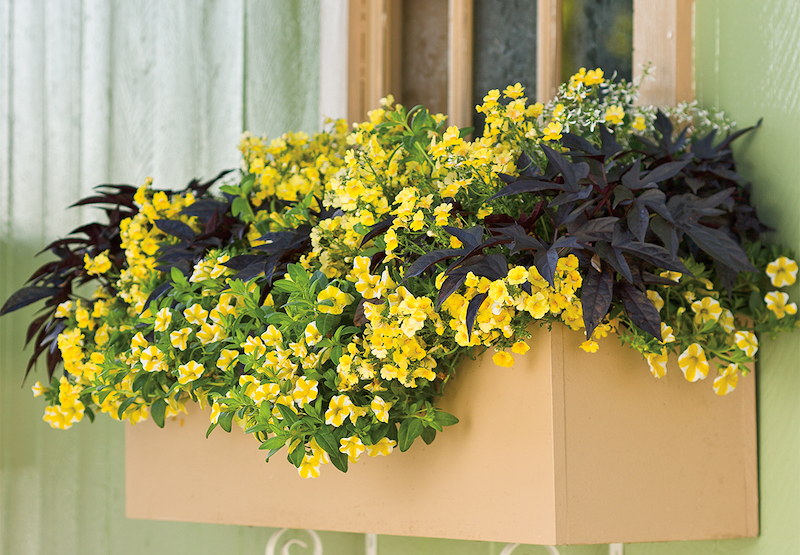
(63,492)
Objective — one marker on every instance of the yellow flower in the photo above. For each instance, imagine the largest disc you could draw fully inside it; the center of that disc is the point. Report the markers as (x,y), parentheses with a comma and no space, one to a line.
(517,275)
(726,320)
(384,447)
(727,380)
(514,91)
(638,123)
(352,447)
(782,271)
(138,342)
(693,363)
(64,310)
(163,319)
(100,264)
(553,132)
(332,300)
(311,334)
(656,299)
(305,391)
(215,412)
(196,315)
(226,358)
(254,346)
(339,408)
(590,346)
(705,310)
(776,302)
(380,408)
(38,389)
(189,372)
(614,115)
(504,359)
(210,333)
(309,468)
(272,336)
(657,363)
(180,338)
(666,333)
(594,77)
(520,347)
(746,341)
(153,360)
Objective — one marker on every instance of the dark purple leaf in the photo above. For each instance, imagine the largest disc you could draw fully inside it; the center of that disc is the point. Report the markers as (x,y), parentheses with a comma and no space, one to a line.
(377,229)
(546,262)
(639,309)
(638,218)
(471,237)
(720,246)
(25,296)
(526,186)
(596,294)
(572,172)
(614,257)
(450,286)
(427,260)
(472,311)
(176,228)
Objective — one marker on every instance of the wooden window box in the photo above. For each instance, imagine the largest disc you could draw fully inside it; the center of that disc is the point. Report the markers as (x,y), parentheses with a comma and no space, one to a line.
(566,447)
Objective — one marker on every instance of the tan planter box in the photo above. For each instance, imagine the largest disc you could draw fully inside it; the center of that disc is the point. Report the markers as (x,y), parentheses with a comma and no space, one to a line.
(566,447)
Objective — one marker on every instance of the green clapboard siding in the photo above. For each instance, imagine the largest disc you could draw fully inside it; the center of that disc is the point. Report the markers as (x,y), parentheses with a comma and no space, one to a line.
(101,90)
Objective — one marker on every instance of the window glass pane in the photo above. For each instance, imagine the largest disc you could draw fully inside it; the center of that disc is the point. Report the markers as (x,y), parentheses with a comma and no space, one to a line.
(597,33)
(424,59)
(504,48)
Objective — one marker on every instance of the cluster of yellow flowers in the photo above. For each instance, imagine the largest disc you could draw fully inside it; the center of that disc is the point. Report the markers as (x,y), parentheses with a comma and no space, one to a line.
(348,351)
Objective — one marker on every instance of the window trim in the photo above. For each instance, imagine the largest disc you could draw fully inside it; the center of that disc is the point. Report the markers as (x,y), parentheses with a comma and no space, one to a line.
(663,33)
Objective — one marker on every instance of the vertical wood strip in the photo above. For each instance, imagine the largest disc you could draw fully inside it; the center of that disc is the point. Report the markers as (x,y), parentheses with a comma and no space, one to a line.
(95,79)
(132,85)
(548,48)
(221,85)
(663,34)
(178,67)
(459,68)
(21,468)
(282,61)
(333,60)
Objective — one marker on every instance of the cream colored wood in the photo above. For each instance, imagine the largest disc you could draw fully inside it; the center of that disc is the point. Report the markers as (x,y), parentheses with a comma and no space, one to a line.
(333,61)
(663,33)
(459,69)
(548,49)
(564,447)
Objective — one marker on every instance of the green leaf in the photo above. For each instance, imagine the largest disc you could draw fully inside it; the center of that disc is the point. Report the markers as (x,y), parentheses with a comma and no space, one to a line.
(428,435)
(157,411)
(275,442)
(336,354)
(124,406)
(296,457)
(210,429)
(444,418)
(225,419)
(289,417)
(410,429)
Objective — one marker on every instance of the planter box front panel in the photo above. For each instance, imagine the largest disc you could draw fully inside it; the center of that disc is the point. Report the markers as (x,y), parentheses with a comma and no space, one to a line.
(565,447)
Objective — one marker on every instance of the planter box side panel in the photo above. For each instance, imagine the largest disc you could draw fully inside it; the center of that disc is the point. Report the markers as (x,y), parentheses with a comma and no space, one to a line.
(490,477)
(654,460)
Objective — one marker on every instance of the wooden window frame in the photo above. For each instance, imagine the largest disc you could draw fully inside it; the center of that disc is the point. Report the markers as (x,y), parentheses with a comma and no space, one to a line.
(663,33)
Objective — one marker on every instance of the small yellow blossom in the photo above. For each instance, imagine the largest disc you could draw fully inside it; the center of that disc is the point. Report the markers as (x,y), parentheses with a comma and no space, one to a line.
(553,132)
(656,299)
(180,338)
(782,272)
(380,408)
(705,310)
(657,363)
(614,114)
(163,319)
(777,303)
(196,315)
(352,447)
(693,363)
(38,389)
(382,448)
(305,391)
(189,372)
(504,359)
(746,341)
(590,346)
(520,347)
(339,408)
(726,381)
